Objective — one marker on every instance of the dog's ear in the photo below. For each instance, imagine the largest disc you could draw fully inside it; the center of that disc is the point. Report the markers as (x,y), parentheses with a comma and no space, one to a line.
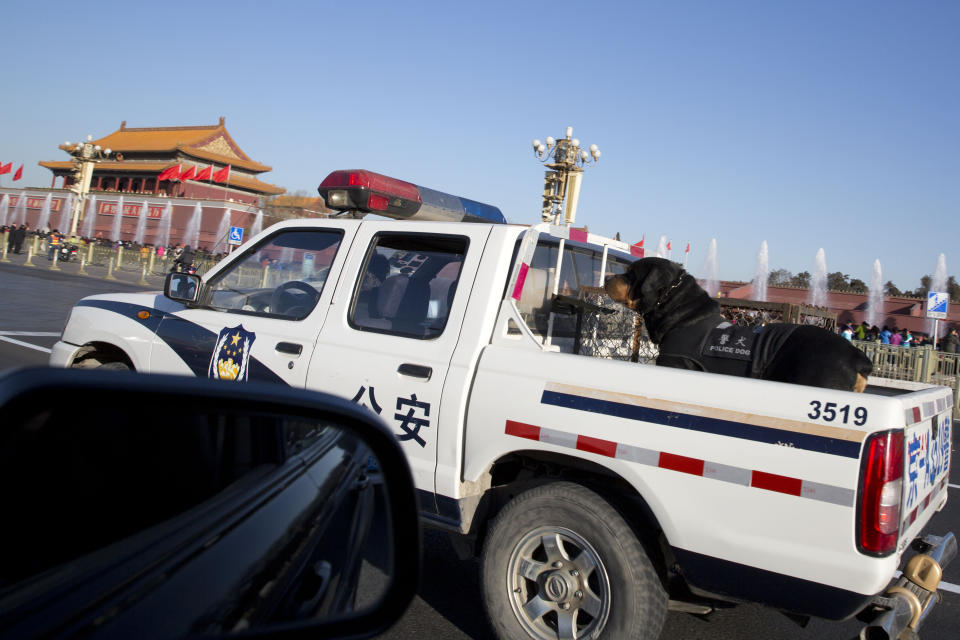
(652,277)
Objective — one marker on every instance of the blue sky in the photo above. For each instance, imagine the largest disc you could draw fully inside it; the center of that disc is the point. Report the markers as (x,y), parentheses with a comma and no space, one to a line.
(805,124)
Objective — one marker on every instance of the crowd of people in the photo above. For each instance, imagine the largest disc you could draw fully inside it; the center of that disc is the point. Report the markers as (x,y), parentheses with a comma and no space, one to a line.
(179,253)
(950,343)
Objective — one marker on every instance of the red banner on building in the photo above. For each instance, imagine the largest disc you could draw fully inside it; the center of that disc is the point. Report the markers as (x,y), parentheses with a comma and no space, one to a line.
(37,203)
(129,210)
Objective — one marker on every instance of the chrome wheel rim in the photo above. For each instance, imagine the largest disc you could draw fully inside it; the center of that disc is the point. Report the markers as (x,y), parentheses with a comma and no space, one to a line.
(558,586)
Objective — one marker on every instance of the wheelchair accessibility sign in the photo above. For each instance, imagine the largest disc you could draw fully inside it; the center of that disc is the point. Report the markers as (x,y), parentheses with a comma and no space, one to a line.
(937,304)
(235,236)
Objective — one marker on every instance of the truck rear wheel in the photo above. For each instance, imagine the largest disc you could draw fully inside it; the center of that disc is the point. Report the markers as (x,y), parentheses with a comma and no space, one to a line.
(561,563)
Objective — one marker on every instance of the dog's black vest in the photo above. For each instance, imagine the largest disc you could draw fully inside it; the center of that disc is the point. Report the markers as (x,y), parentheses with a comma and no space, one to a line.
(717,346)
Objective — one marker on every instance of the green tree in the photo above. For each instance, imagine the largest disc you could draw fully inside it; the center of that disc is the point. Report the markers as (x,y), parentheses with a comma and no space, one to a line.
(779,278)
(954,289)
(802,280)
(838,281)
(858,286)
(890,289)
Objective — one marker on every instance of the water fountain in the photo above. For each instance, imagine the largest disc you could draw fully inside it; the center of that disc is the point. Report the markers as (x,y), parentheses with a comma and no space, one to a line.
(939,283)
(818,283)
(257,223)
(192,235)
(163,231)
(66,210)
(4,209)
(142,223)
(710,270)
(89,218)
(761,274)
(20,210)
(220,244)
(43,222)
(875,297)
(117,221)
(662,247)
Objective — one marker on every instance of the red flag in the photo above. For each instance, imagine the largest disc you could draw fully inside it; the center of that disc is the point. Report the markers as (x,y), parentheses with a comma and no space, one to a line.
(688,248)
(642,238)
(669,248)
(170,173)
(6,168)
(223,175)
(19,173)
(188,174)
(205,174)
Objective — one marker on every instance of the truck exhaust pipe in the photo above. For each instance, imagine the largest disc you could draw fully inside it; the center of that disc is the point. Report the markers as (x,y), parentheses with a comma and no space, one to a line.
(907,604)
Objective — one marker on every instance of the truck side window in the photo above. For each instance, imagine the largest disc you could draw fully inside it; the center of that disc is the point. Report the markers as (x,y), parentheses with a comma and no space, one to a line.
(280,277)
(579,278)
(407,284)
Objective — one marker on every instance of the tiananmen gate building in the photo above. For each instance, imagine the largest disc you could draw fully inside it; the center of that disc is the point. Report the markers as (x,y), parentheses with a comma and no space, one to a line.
(130,177)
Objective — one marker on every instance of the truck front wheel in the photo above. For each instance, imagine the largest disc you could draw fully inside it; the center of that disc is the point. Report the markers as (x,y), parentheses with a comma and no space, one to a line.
(561,563)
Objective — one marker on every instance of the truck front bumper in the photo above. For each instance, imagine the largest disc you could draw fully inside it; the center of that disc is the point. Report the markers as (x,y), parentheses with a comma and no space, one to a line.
(62,354)
(902,609)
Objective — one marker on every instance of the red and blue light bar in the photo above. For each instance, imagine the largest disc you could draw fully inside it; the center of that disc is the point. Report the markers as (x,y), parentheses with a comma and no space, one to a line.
(360,191)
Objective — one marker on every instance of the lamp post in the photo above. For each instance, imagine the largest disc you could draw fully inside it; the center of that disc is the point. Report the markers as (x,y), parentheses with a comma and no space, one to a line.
(85,155)
(561,185)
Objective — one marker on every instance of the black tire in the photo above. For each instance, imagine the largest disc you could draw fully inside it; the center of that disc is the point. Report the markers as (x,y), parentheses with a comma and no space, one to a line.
(115,366)
(560,562)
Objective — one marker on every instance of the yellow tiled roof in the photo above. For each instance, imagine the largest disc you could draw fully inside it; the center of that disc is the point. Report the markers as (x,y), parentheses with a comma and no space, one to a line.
(257,185)
(189,140)
(155,167)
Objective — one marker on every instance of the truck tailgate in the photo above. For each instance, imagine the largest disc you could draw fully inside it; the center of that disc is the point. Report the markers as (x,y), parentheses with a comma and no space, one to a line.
(926,459)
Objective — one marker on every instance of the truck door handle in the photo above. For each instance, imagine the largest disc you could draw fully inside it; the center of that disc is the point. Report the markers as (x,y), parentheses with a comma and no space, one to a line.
(290,348)
(415,370)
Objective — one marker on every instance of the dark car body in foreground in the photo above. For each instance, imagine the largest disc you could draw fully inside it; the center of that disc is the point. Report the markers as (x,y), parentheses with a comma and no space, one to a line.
(158,506)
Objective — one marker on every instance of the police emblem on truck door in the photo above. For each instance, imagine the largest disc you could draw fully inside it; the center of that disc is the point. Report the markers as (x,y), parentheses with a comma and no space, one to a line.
(231,354)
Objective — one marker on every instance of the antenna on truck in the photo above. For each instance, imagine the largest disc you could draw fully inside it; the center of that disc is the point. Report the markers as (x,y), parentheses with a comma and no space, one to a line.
(561,185)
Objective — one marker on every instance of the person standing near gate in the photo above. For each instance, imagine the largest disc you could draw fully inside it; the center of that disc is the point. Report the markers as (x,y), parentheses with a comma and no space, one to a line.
(951,341)
(53,244)
(18,237)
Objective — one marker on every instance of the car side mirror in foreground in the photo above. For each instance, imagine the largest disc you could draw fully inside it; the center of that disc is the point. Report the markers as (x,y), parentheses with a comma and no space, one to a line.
(182,287)
(146,506)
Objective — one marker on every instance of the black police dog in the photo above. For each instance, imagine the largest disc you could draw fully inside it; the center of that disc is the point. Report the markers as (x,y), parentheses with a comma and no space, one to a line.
(685,322)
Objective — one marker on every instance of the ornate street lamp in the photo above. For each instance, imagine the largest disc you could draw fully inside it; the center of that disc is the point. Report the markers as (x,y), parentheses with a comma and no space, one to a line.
(85,155)
(561,185)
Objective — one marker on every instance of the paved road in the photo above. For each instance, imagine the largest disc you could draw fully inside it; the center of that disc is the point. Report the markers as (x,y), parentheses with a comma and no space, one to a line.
(34,304)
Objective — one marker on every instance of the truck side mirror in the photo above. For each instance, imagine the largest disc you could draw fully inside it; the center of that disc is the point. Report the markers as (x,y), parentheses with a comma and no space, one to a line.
(182,287)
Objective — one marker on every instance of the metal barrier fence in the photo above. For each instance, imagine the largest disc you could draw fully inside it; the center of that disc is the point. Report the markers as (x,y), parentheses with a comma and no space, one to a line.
(918,364)
(134,259)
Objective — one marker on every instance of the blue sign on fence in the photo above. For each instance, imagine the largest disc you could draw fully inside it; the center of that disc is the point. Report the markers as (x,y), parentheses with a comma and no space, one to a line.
(236,235)
(937,304)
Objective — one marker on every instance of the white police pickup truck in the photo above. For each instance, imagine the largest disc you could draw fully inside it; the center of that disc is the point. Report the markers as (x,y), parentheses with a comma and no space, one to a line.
(600,492)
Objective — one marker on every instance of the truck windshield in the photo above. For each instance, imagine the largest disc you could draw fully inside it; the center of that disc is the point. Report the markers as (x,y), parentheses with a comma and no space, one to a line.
(282,276)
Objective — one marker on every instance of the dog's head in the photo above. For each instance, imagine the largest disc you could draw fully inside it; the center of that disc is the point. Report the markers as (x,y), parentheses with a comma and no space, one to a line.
(644,283)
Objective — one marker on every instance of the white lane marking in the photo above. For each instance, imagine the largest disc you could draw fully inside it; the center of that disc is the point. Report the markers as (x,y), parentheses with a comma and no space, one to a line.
(25,344)
(954,486)
(36,334)
(952,588)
